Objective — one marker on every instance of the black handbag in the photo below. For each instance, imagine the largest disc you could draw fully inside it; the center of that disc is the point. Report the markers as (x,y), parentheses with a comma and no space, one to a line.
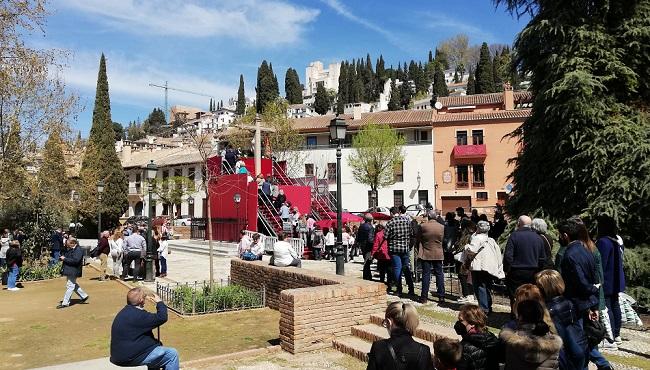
(595,332)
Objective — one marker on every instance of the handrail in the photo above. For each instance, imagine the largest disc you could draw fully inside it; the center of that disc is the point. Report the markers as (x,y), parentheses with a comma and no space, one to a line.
(266,202)
(228,167)
(314,191)
(297,244)
(266,223)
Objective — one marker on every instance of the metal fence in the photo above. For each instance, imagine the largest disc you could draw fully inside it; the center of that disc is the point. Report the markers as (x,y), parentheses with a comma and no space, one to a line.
(201,297)
(297,244)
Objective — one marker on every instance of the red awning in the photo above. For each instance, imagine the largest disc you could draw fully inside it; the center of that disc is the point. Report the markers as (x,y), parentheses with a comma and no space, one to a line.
(470,151)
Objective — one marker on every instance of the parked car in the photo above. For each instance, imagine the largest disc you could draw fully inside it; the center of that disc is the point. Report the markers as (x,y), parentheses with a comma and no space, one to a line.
(136,220)
(183,220)
(415,210)
(384,210)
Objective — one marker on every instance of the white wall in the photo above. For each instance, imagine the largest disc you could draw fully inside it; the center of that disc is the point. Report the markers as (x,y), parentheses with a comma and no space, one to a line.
(418,158)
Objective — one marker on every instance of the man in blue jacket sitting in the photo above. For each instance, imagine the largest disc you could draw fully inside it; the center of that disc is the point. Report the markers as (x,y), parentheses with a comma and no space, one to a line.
(132,340)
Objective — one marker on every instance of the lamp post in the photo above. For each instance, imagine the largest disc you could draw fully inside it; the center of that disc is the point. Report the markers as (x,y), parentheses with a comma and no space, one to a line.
(100,190)
(75,198)
(338,128)
(151,172)
(237,198)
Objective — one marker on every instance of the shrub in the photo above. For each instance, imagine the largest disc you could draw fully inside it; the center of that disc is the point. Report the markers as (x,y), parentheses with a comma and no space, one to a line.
(205,299)
(34,270)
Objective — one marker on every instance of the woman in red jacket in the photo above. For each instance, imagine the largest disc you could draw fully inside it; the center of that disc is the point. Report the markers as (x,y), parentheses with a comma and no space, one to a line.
(380,253)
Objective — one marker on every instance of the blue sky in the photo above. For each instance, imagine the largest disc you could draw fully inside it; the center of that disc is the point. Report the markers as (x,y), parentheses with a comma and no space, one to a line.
(203,45)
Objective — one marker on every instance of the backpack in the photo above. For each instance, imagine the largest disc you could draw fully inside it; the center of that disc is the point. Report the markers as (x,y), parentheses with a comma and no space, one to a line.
(316,241)
(401,361)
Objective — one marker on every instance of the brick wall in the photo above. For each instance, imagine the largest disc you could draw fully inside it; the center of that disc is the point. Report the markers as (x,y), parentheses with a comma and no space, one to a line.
(314,307)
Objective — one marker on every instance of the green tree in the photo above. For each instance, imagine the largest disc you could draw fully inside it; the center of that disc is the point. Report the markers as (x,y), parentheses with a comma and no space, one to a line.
(156,123)
(292,87)
(53,184)
(377,150)
(342,97)
(172,191)
(586,145)
(484,73)
(321,100)
(497,73)
(241,97)
(442,59)
(439,84)
(405,94)
(119,131)
(135,132)
(267,86)
(101,162)
(395,100)
(471,84)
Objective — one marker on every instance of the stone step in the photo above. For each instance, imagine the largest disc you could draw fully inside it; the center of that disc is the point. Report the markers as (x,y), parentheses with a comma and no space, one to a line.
(426,331)
(372,333)
(203,251)
(353,346)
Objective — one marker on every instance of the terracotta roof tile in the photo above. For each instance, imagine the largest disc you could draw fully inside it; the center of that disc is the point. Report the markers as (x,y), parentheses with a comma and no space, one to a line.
(479,116)
(401,118)
(481,99)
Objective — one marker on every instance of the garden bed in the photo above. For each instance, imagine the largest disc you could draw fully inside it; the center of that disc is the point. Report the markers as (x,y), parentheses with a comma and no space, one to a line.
(36,271)
(201,297)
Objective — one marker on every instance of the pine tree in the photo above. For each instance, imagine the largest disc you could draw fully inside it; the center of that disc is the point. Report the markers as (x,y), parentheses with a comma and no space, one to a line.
(321,100)
(221,104)
(439,85)
(405,95)
(395,99)
(471,84)
(370,83)
(241,97)
(381,71)
(292,87)
(586,145)
(342,97)
(155,123)
(484,73)
(430,57)
(497,73)
(101,162)
(53,183)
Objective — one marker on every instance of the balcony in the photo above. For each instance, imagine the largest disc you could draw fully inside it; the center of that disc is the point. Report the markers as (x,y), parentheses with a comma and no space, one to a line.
(478,184)
(469,151)
(462,185)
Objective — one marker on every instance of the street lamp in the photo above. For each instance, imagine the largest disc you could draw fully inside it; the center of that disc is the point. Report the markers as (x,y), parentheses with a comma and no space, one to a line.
(75,198)
(338,128)
(237,198)
(151,172)
(100,190)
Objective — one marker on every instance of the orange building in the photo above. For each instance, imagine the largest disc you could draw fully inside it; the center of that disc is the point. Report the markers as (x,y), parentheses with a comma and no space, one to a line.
(471,148)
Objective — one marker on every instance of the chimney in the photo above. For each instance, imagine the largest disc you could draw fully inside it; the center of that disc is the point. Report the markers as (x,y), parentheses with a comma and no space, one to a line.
(356,112)
(508,97)
(126,153)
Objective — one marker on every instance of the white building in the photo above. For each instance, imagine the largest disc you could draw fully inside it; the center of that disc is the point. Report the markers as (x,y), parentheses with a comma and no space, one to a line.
(414,178)
(315,75)
(208,122)
(300,111)
(171,162)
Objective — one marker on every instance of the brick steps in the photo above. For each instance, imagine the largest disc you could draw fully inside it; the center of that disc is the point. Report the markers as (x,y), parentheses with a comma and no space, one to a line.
(362,336)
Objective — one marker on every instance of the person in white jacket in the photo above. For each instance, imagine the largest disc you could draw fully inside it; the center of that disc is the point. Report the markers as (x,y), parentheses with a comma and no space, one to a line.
(283,254)
(163,251)
(483,255)
(116,243)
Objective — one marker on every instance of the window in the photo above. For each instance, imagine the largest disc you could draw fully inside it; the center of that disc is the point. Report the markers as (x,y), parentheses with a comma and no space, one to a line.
(165,175)
(461,137)
(165,211)
(481,195)
(309,169)
(311,141)
(138,183)
(398,197)
(423,197)
(153,209)
(423,136)
(478,175)
(190,209)
(477,137)
(178,172)
(331,172)
(191,173)
(320,83)
(462,176)
(398,172)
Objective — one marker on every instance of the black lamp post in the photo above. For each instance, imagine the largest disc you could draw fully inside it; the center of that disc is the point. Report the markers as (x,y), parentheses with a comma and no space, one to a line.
(151,172)
(75,198)
(338,128)
(237,198)
(100,190)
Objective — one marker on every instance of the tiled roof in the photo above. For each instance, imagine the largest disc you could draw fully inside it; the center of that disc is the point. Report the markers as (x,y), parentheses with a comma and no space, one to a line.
(482,99)
(401,118)
(479,116)
(162,157)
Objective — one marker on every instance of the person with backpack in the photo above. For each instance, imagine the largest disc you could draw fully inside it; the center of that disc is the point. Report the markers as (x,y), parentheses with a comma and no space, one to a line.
(317,242)
(400,351)
(480,346)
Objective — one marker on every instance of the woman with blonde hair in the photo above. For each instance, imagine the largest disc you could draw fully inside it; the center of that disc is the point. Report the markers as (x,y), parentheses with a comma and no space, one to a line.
(115,242)
(565,317)
(400,351)
(530,292)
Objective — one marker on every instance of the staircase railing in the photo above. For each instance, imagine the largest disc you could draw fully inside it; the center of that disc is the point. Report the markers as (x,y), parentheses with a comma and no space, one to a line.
(227,167)
(270,208)
(320,199)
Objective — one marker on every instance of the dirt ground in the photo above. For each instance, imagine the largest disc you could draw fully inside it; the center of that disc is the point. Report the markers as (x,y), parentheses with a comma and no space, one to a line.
(34,333)
(317,360)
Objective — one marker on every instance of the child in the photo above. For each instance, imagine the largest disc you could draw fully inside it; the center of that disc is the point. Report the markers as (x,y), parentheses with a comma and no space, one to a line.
(163,251)
(447,353)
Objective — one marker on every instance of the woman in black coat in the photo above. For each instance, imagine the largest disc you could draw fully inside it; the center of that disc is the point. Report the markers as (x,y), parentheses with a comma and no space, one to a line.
(400,351)
(480,346)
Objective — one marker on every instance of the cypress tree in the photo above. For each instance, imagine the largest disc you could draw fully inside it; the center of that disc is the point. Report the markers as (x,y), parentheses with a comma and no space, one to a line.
(101,162)
(439,85)
(395,99)
(342,97)
(267,86)
(497,73)
(381,70)
(484,73)
(586,145)
(405,95)
(430,56)
(321,100)
(441,58)
(241,97)
(471,84)
(292,87)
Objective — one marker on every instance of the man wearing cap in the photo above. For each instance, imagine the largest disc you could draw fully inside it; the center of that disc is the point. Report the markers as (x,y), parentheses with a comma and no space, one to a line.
(365,240)
(430,253)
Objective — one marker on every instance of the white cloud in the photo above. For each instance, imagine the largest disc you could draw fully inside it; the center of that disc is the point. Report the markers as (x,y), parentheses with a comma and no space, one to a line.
(129,78)
(255,22)
(343,11)
(441,22)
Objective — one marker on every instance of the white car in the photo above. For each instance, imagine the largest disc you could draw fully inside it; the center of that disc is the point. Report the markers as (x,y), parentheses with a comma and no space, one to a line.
(183,221)
(415,210)
(384,210)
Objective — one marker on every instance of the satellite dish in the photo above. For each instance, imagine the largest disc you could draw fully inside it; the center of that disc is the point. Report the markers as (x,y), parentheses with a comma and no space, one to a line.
(508,188)
(438,105)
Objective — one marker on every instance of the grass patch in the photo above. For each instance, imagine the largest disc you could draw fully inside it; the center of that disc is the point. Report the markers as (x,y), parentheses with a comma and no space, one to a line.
(636,361)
